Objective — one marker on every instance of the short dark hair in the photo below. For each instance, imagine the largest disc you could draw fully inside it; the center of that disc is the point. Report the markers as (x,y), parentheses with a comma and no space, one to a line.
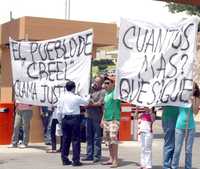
(110,78)
(70,85)
(196,91)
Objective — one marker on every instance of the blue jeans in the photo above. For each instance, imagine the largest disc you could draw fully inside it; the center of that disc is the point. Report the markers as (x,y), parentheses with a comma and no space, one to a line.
(169,141)
(93,137)
(22,117)
(179,139)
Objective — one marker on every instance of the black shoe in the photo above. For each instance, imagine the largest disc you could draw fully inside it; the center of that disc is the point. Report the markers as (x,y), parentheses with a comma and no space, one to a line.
(87,159)
(96,160)
(67,162)
(76,164)
(48,143)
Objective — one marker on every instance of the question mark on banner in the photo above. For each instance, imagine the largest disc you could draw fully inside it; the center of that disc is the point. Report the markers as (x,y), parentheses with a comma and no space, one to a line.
(185,58)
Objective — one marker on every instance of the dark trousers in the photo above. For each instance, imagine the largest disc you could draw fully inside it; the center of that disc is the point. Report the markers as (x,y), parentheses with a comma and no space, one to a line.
(71,133)
(53,135)
(93,136)
(46,122)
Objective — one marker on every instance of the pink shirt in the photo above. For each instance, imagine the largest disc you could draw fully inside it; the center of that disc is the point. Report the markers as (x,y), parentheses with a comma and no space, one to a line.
(145,122)
(21,106)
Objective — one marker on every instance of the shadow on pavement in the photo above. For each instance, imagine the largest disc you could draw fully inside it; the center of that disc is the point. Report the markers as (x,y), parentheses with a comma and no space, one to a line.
(161,135)
(160,167)
(38,147)
(158,136)
(125,163)
(2,162)
(157,167)
(197,134)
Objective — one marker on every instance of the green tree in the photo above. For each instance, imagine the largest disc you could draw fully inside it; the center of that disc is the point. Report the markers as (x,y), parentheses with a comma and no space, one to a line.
(102,62)
(102,67)
(189,9)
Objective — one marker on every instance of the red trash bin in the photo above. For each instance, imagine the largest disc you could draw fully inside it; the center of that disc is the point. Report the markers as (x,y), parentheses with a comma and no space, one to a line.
(6,122)
(125,122)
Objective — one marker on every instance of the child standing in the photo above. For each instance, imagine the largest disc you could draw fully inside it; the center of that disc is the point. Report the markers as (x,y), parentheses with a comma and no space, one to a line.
(145,136)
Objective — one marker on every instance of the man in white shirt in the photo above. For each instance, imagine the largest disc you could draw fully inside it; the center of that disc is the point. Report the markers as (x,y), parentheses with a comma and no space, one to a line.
(69,114)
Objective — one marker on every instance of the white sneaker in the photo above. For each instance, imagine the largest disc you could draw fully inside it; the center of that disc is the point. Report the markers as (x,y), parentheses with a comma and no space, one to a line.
(12,146)
(22,146)
(20,142)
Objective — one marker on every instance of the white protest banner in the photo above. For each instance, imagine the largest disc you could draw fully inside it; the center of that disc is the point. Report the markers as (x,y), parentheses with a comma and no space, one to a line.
(155,62)
(41,69)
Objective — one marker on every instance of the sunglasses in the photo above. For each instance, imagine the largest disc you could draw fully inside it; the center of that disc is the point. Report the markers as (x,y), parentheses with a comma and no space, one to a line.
(107,83)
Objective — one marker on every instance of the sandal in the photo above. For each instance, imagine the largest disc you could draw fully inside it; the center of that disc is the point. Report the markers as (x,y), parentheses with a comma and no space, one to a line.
(52,151)
(106,163)
(114,165)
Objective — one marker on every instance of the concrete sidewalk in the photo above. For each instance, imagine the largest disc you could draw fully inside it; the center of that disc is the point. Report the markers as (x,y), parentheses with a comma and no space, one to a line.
(35,156)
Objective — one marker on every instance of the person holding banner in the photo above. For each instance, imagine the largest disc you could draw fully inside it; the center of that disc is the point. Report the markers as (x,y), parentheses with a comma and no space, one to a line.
(185,128)
(69,118)
(23,115)
(110,121)
(169,118)
(94,116)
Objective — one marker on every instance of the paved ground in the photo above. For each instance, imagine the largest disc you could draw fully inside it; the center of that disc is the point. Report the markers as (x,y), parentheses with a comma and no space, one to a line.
(35,156)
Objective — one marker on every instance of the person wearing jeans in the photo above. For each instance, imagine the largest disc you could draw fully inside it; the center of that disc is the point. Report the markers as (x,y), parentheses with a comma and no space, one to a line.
(185,129)
(94,115)
(179,139)
(169,118)
(23,116)
(93,137)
